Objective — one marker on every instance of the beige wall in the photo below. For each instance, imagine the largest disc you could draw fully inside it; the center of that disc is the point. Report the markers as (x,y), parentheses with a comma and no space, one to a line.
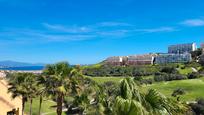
(6,102)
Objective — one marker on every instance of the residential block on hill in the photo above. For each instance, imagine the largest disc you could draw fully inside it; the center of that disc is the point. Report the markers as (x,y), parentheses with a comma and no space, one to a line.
(179,53)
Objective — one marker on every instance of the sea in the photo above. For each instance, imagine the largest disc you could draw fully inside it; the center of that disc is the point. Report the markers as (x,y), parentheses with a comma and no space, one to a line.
(26,68)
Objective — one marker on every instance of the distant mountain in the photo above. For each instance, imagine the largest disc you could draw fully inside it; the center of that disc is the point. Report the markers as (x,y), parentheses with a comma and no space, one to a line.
(9,63)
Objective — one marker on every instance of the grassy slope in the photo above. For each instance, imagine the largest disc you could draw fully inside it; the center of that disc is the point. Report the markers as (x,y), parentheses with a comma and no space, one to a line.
(105,79)
(46,107)
(185,71)
(92,66)
(194,88)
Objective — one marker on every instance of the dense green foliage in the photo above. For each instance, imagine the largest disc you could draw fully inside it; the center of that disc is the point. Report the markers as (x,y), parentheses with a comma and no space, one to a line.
(131,101)
(201,61)
(23,85)
(122,94)
(198,108)
(195,54)
(106,70)
(147,74)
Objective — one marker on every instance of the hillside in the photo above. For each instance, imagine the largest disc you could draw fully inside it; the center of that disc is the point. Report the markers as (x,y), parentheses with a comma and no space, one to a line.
(9,63)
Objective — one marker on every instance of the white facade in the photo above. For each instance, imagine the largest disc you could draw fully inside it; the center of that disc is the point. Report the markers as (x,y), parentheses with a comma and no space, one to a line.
(173,58)
(182,48)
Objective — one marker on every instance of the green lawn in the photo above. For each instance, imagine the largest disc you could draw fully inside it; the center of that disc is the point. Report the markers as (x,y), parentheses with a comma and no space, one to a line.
(194,88)
(92,66)
(185,71)
(46,107)
(105,79)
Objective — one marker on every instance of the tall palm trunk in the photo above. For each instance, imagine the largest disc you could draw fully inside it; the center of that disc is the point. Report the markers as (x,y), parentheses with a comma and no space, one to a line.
(31,102)
(39,112)
(23,105)
(59,103)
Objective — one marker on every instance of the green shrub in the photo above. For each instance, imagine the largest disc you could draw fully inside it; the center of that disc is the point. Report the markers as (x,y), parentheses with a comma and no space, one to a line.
(168,77)
(194,75)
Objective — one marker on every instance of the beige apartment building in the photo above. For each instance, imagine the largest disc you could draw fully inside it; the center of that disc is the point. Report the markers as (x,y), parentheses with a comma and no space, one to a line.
(145,59)
(7,104)
(116,60)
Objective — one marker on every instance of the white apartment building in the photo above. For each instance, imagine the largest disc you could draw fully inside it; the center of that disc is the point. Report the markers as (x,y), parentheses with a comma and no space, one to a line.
(173,58)
(182,48)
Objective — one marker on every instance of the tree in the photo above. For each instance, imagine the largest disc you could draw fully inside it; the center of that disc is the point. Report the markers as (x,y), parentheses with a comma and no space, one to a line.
(86,100)
(83,102)
(41,90)
(131,101)
(195,54)
(106,95)
(169,70)
(201,61)
(178,92)
(23,85)
(128,102)
(60,81)
(198,107)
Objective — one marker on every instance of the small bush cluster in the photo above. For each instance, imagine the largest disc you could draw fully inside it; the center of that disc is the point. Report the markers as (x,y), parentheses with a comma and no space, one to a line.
(194,75)
(168,77)
(198,108)
(106,70)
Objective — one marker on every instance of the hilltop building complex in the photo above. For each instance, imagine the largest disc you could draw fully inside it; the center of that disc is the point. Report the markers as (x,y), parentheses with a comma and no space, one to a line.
(180,53)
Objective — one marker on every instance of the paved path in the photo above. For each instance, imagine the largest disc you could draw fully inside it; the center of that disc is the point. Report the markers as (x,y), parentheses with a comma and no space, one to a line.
(194,69)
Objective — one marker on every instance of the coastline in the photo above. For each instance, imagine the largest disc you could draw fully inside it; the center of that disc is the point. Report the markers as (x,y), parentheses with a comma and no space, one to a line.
(25,69)
(3,72)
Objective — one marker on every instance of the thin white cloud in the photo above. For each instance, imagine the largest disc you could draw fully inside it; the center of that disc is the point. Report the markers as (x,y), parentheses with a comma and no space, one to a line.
(114,33)
(61,33)
(110,24)
(154,30)
(32,36)
(72,29)
(193,22)
(59,38)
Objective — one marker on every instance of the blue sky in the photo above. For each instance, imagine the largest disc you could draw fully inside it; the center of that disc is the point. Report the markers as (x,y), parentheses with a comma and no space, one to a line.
(88,31)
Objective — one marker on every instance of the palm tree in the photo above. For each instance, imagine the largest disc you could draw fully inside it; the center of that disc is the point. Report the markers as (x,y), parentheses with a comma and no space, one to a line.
(130,101)
(41,90)
(24,85)
(106,94)
(15,81)
(31,87)
(60,81)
